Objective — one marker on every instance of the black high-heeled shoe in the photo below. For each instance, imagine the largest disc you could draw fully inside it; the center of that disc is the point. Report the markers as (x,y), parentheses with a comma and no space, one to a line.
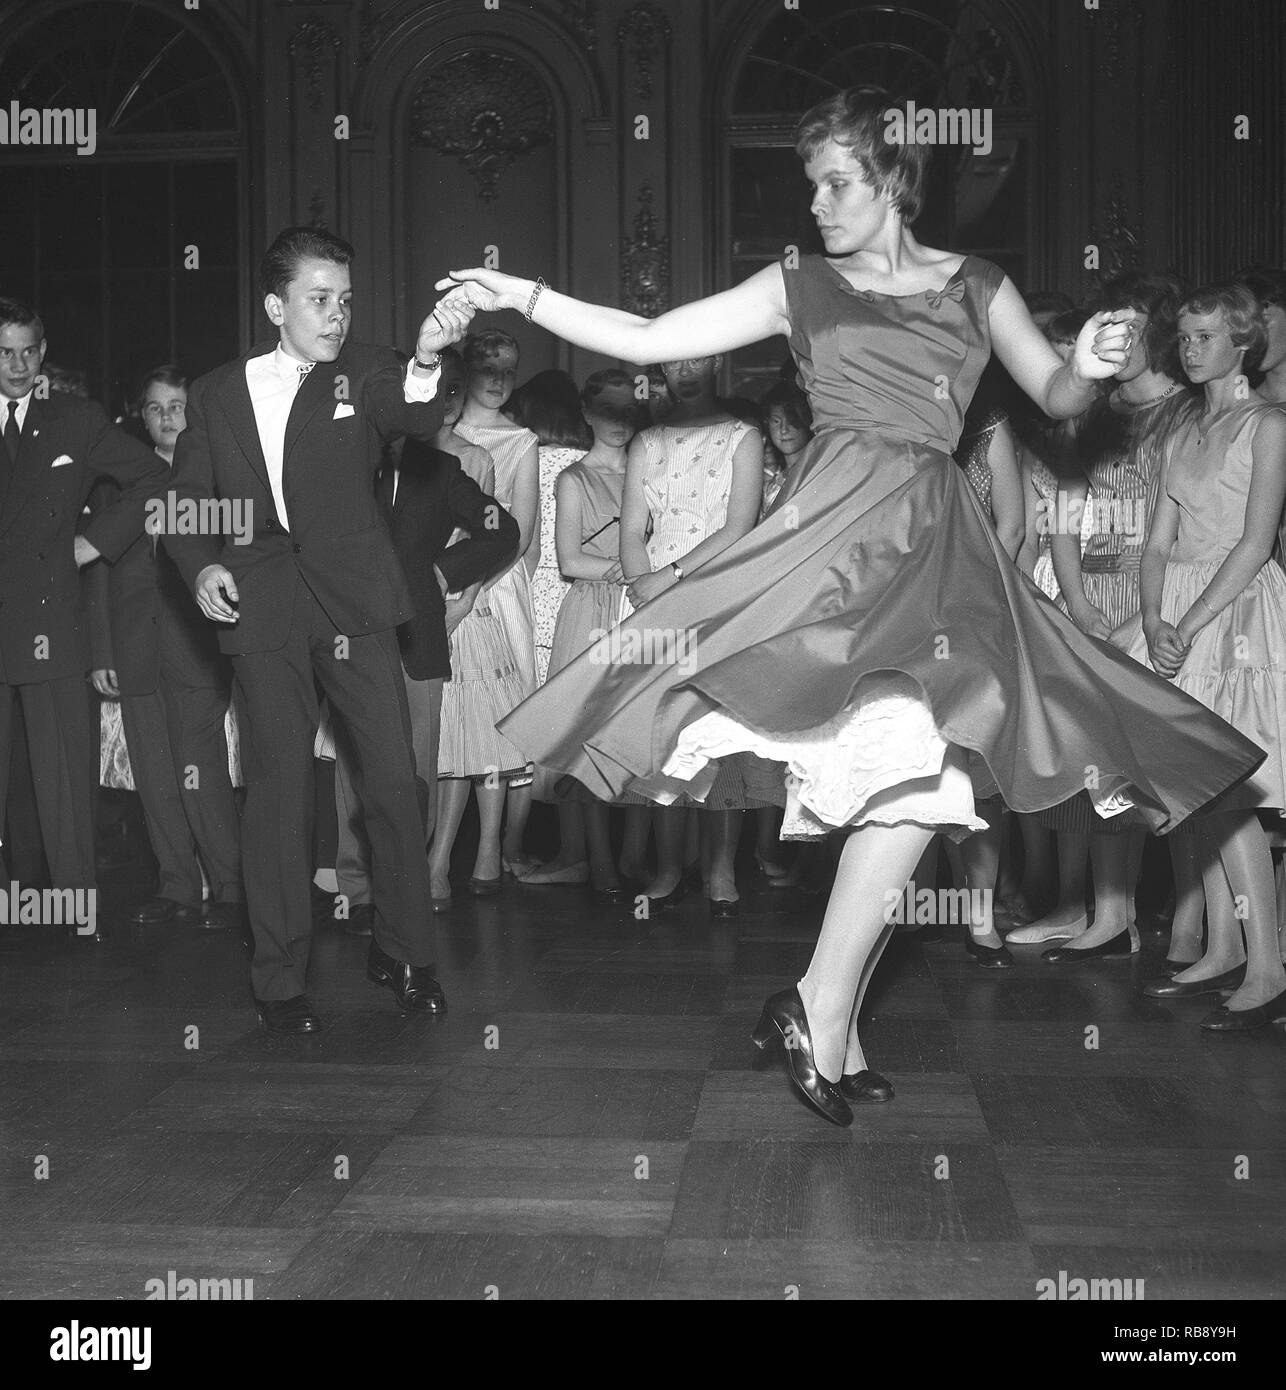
(989,957)
(1119,947)
(1226,1020)
(866,1088)
(784,1017)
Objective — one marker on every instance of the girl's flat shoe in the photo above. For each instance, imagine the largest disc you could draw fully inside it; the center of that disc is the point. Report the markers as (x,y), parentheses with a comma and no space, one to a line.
(866,1088)
(1226,1020)
(519,868)
(989,957)
(573,874)
(721,907)
(484,887)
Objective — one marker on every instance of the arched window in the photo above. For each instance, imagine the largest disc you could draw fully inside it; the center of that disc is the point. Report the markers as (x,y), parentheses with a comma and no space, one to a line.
(130,254)
(938,54)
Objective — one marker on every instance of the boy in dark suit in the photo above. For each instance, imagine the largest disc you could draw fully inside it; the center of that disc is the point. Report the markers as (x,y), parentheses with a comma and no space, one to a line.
(426,496)
(288,439)
(55,446)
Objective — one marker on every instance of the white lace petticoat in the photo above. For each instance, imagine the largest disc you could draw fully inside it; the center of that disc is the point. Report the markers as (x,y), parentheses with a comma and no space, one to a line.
(880,761)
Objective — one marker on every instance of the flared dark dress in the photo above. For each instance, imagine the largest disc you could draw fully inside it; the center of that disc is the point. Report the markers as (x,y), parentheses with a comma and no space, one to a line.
(871,628)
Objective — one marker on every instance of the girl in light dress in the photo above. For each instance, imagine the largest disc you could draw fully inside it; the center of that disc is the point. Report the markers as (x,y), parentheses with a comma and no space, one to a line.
(1214,621)
(492,362)
(1098,524)
(693,486)
(486,683)
(587,540)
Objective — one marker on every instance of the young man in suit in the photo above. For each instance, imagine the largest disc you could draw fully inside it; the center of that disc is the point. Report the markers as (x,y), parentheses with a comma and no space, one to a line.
(155,651)
(426,495)
(287,440)
(55,446)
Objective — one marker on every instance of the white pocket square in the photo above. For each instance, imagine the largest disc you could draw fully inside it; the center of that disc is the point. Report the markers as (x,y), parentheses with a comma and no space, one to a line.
(342,411)
(61,461)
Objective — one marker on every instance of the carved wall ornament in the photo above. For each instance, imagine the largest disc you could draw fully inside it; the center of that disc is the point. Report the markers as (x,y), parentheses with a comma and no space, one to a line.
(313,36)
(1119,241)
(582,18)
(645,27)
(485,107)
(645,263)
(371,30)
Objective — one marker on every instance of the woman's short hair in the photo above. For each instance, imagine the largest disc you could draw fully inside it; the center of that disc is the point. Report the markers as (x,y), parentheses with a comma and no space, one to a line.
(1241,310)
(1266,282)
(793,404)
(1066,327)
(1158,295)
(548,404)
(855,120)
(166,375)
(488,343)
(609,379)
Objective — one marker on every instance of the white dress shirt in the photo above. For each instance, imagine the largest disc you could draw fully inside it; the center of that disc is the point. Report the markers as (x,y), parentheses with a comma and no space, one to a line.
(272,381)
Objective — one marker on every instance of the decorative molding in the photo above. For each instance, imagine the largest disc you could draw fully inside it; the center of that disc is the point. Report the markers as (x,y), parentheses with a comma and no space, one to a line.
(1119,15)
(485,107)
(645,263)
(1119,240)
(371,31)
(582,18)
(314,36)
(646,28)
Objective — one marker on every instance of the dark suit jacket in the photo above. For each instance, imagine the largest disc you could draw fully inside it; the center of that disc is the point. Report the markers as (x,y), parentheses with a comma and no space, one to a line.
(124,604)
(42,634)
(435,495)
(338,542)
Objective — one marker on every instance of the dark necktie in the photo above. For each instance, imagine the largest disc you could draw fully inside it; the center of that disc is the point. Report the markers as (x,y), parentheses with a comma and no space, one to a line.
(12,434)
(12,438)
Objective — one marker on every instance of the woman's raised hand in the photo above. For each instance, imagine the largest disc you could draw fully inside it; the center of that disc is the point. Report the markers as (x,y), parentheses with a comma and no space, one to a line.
(1104,343)
(484,291)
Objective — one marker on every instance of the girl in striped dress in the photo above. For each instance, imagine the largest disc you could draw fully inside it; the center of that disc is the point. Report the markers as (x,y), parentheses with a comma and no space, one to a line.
(492,361)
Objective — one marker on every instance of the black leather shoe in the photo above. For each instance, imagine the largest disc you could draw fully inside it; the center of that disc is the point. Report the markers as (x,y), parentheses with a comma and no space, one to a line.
(485,887)
(361,919)
(1177,989)
(1173,967)
(866,1088)
(670,899)
(721,907)
(222,916)
(784,1017)
(1226,1020)
(157,911)
(294,1016)
(989,957)
(413,986)
(1117,947)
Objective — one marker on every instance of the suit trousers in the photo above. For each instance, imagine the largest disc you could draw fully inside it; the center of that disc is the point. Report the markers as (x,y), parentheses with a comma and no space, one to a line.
(63,768)
(361,676)
(179,756)
(352,860)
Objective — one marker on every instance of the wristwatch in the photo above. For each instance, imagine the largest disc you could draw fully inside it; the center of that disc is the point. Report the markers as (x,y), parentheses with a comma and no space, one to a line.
(678,572)
(430,366)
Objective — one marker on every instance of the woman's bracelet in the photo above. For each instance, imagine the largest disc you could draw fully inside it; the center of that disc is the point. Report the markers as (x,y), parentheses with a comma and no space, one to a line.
(535,295)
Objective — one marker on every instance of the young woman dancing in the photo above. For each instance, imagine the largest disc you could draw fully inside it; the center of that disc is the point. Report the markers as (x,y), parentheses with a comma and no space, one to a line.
(871,630)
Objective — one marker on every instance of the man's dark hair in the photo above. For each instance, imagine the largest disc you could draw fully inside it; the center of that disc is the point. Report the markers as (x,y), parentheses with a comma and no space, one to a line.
(168,374)
(281,260)
(1158,295)
(1266,282)
(12,312)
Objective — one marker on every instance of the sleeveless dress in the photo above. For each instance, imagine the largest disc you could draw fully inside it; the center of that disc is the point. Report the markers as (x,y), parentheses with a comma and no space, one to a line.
(510,596)
(485,683)
(1236,665)
(871,627)
(687,481)
(548,587)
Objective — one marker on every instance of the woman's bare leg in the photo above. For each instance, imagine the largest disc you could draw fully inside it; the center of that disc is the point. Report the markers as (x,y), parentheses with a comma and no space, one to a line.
(874,867)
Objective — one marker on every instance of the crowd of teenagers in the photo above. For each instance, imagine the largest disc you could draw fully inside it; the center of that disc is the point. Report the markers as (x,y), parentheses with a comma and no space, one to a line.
(525,527)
